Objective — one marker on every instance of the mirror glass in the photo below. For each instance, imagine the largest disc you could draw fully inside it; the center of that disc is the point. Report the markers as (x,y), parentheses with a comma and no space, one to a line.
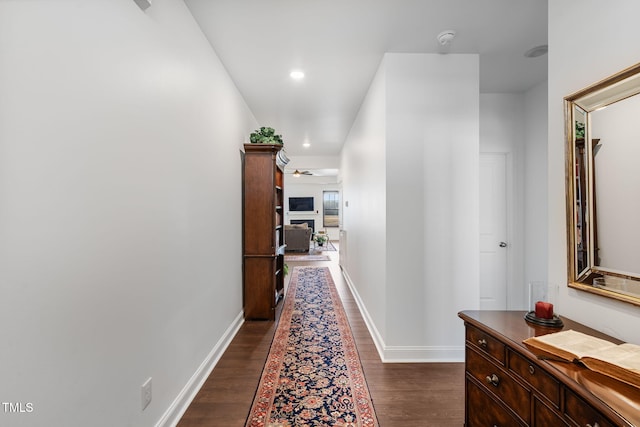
(581,192)
(603,187)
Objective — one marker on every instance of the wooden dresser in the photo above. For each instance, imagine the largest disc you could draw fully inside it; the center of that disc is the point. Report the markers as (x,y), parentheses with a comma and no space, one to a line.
(507,385)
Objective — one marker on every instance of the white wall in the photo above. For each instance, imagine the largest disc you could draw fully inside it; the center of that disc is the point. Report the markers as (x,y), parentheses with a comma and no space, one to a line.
(432,202)
(535,186)
(364,204)
(516,124)
(502,130)
(417,132)
(315,185)
(120,228)
(576,60)
(312,162)
(310,189)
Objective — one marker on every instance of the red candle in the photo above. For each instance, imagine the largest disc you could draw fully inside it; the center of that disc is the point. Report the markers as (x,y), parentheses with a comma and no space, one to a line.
(544,310)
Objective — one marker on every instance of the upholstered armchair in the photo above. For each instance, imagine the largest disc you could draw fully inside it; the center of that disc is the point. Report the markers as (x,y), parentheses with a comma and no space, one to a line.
(297,237)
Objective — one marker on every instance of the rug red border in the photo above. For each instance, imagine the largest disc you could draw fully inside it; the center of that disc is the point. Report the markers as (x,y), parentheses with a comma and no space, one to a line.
(266,391)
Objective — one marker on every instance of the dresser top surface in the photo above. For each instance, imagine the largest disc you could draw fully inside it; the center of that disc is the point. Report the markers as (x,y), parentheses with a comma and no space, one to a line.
(511,328)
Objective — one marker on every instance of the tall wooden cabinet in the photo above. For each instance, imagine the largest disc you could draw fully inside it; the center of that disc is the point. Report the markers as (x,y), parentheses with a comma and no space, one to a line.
(263,229)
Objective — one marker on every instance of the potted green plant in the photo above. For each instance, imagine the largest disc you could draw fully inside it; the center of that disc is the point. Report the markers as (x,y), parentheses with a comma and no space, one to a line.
(265,135)
(579,130)
(321,238)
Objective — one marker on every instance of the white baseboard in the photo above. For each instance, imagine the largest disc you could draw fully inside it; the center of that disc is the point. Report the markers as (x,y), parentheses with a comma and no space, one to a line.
(403,354)
(423,354)
(179,406)
(375,335)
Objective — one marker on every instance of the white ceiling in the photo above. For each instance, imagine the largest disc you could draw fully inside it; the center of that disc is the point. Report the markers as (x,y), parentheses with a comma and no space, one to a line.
(339,45)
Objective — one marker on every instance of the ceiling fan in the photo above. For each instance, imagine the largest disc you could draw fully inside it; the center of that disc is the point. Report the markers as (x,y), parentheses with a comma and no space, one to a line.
(298,173)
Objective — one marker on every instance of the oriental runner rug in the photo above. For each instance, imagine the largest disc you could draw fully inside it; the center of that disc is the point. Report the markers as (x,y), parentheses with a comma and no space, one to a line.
(313,376)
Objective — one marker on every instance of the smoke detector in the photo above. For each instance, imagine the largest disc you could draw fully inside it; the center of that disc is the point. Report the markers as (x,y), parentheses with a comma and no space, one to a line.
(446,37)
(143,4)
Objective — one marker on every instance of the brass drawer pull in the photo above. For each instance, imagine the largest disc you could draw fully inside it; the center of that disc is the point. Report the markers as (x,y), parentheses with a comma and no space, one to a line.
(482,343)
(493,380)
(532,370)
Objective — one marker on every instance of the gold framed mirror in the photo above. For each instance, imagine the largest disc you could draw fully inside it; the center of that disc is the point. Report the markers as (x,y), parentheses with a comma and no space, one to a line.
(603,187)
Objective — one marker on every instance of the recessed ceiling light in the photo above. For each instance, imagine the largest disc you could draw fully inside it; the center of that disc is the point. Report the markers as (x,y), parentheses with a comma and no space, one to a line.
(297,75)
(306,145)
(534,52)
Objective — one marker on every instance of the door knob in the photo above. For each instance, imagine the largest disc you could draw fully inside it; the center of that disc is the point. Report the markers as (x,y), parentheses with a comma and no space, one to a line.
(503,244)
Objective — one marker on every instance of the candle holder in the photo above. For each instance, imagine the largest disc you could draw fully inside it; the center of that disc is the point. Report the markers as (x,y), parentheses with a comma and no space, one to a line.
(540,310)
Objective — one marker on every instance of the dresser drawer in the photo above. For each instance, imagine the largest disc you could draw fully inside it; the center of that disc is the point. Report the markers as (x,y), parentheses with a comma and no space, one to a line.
(483,411)
(532,374)
(582,413)
(499,383)
(486,343)
(543,416)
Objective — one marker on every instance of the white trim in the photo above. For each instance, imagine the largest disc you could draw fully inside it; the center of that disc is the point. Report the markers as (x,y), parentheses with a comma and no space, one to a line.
(176,410)
(424,354)
(375,335)
(515,231)
(404,354)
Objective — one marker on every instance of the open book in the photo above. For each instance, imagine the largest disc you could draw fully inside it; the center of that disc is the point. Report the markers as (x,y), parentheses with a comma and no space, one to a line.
(619,361)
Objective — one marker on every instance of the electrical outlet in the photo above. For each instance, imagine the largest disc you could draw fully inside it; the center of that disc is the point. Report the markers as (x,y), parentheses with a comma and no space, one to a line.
(146,393)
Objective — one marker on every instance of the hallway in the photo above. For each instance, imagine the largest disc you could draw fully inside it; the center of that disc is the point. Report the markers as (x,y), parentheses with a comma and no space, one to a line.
(406,395)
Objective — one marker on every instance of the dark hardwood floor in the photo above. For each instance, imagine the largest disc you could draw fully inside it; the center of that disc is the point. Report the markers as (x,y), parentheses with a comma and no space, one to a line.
(404,394)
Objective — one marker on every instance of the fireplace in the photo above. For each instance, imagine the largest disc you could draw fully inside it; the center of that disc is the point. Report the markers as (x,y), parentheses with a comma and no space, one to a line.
(310,222)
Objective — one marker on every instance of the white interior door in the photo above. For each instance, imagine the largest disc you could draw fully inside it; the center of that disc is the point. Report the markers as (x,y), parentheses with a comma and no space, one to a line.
(493,231)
